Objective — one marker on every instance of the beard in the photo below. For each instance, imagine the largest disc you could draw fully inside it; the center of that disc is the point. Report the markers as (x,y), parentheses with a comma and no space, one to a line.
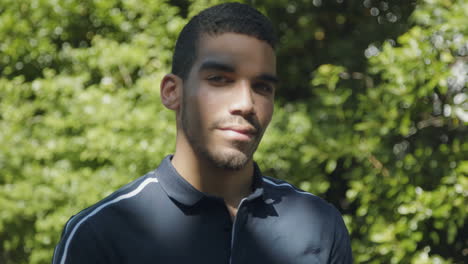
(234,158)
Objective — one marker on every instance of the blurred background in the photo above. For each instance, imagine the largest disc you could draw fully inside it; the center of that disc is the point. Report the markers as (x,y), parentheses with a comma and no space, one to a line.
(371,115)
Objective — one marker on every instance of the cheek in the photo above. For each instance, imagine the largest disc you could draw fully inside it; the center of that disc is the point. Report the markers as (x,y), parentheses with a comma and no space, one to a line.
(202,108)
(211,103)
(191,111)
(265,112)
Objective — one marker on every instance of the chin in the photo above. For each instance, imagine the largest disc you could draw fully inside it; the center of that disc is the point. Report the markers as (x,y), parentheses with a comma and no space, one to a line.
(230,156)
(228,159)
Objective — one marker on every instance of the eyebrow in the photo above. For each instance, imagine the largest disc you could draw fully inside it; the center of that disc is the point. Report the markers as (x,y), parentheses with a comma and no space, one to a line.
(219,66)
(214,65)
(268,78)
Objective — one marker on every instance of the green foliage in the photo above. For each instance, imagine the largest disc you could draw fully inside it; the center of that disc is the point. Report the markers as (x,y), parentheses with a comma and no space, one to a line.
(378,130)
(387,145)
(317,32)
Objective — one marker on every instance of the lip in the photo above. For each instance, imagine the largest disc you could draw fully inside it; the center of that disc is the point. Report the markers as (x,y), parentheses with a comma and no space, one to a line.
(240,133)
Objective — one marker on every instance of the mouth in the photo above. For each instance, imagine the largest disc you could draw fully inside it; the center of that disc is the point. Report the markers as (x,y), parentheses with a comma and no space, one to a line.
(239,133)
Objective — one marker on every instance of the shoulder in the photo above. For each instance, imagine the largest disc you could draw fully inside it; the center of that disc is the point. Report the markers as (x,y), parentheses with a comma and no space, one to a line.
(310,215)
(280,187)
(131,191)
(292,197)
(80,226)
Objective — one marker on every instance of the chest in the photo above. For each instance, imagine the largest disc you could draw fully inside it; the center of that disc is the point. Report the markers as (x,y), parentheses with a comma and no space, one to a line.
(209,234)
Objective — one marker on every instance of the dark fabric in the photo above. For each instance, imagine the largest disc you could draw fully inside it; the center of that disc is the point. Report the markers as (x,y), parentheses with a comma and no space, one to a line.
(161,218)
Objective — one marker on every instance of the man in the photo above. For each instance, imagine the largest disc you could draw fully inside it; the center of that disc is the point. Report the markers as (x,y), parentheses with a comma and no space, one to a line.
(209,202)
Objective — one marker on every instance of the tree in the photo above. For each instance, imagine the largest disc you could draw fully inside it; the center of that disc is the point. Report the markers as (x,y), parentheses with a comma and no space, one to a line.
(371,115)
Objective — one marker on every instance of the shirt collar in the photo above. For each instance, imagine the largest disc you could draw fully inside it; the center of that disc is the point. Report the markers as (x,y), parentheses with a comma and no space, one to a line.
(257,184)
(183,192)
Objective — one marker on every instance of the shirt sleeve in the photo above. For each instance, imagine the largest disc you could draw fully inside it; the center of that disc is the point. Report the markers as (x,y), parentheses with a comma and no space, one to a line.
(341,248)
(79,244)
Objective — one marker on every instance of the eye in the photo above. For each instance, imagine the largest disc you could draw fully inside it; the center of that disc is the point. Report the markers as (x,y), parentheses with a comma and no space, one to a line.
(218,80)
(264,88)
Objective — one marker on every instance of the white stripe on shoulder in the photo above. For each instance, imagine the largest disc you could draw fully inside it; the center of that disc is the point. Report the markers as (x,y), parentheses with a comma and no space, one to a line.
(99,208)
(286,185)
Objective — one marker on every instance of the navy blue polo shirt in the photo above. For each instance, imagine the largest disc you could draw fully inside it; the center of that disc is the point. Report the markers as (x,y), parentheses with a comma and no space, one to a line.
(161,218)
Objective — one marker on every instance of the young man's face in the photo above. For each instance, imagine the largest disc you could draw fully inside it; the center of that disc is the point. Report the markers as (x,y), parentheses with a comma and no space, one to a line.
(228,98)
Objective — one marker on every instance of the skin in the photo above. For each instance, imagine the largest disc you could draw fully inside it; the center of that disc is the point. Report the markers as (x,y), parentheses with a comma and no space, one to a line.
(222,110)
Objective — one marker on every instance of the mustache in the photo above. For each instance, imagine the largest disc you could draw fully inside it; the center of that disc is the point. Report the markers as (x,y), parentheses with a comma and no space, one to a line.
(250,121)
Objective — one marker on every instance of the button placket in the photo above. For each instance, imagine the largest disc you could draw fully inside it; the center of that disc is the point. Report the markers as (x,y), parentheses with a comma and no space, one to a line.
(239,221)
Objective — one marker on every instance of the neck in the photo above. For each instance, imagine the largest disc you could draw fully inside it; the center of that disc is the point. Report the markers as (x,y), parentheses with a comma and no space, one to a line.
(231,185)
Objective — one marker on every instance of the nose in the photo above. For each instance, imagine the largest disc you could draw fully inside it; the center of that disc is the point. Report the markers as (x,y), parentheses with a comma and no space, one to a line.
(242,100)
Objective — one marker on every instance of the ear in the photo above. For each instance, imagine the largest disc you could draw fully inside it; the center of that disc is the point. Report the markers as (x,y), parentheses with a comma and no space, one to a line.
(171,91)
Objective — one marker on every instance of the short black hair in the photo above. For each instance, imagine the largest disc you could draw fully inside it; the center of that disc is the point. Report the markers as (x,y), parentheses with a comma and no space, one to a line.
(218,19)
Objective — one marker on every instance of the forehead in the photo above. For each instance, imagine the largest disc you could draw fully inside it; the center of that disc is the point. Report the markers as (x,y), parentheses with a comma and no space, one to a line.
(240,51)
